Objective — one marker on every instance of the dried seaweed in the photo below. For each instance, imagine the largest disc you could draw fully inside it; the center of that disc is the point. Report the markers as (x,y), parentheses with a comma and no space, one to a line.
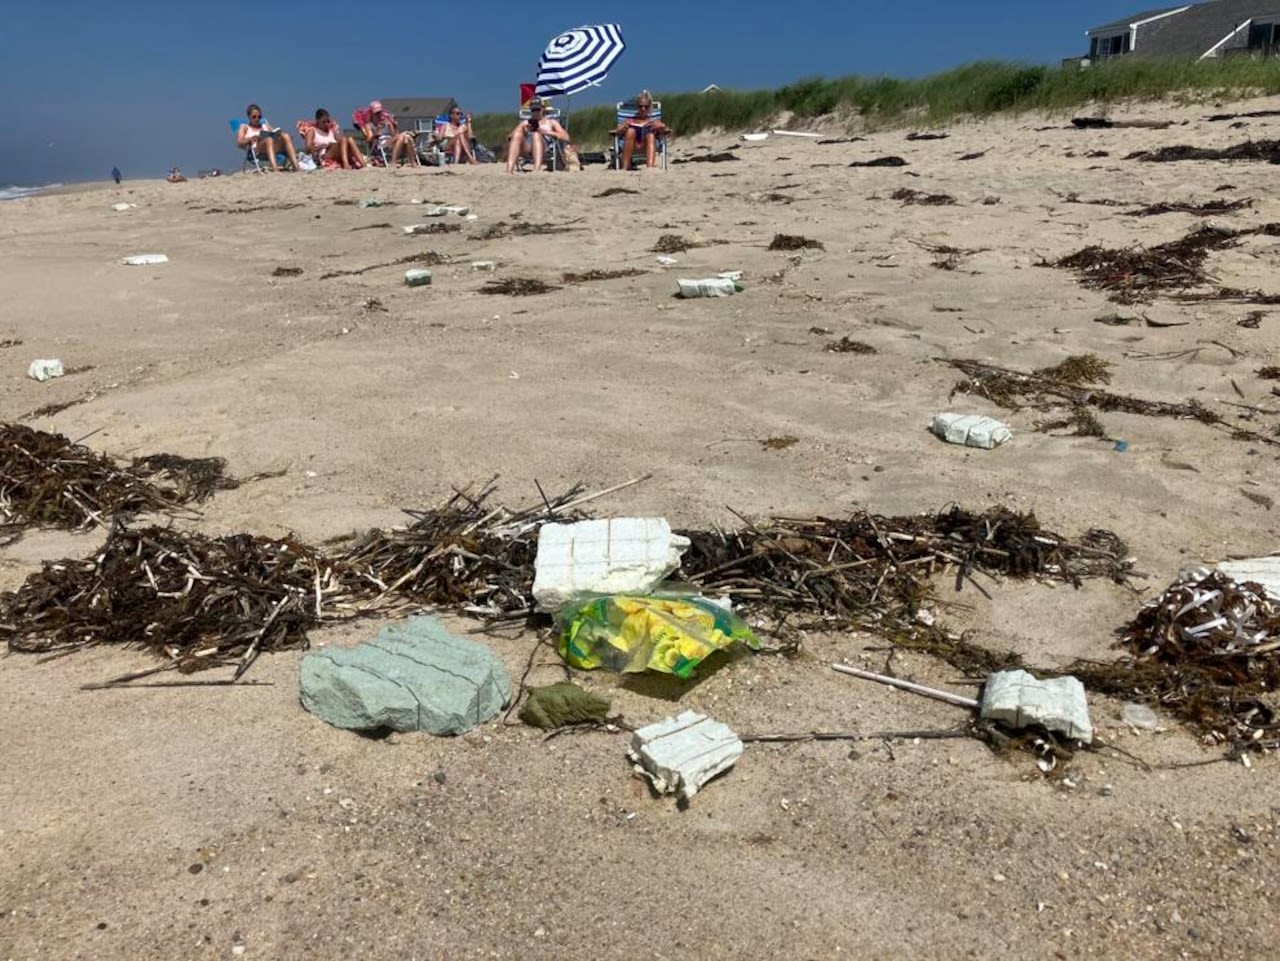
(441,227)
(707,158)
(1206,651)
(590,275)
(429,257)
(287,272)
(1078,369)
(195,601)
(1258,150)
(1082,423)
(518,287)
(1209,208)
(464,554)
(1269,373)
(250,210)
(976,155)
(503,229)
(779,443)
(880,162)
(909,196)
(875,572)
(846,345)
(1135,274)
(674,244)
(47,480)
(1015,390)
(10,342)
(615,191)
(794,242)
(928,136)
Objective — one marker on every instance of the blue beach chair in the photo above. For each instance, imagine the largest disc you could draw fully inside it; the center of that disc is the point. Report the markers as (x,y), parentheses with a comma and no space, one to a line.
(627,111)
(252,161)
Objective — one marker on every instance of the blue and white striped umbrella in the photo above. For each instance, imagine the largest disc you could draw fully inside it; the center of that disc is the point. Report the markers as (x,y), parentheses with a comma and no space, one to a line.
(578,58)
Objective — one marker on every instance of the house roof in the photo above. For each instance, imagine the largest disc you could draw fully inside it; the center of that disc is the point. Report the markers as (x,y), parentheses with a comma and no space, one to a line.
(417,107)
(1200,27)
(1117,26)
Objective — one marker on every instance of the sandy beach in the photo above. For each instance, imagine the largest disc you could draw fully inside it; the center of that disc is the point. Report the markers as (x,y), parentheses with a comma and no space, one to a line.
(189,823)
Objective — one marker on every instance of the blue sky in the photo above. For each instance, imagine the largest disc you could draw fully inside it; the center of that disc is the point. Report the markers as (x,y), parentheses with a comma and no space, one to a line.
(147,85)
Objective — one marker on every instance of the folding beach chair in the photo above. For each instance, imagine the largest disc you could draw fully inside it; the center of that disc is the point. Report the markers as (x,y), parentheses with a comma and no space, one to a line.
(551,154)
(627,111)
(252,160)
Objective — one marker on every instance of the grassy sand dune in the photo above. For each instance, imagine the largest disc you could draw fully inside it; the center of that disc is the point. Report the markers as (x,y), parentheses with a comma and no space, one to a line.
(974,90)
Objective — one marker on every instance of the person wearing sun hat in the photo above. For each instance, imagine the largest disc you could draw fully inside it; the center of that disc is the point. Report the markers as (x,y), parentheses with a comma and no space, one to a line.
(380,131)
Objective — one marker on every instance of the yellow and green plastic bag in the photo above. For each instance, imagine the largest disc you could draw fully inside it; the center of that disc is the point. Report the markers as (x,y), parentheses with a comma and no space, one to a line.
(670,634)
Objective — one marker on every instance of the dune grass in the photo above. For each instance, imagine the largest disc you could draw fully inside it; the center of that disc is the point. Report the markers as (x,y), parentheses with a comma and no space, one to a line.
(973,90)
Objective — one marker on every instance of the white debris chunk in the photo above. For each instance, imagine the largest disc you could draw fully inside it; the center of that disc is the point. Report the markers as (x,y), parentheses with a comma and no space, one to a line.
(619,555)
(43,370)
(972,430)
(681,754)
(145,260)
(1019,700)
(1260,570)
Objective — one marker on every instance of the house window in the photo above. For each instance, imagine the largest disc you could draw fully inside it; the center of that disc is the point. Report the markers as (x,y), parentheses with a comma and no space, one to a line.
(1263,36)
(1112,46)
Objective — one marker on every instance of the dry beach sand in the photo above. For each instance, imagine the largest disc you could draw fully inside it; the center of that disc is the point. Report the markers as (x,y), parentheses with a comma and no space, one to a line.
(206,823)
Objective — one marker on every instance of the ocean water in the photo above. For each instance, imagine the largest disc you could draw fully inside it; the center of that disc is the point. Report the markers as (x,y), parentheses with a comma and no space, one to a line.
(14,192)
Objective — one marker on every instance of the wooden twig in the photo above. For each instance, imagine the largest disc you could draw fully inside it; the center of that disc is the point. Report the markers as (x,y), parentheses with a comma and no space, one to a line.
(959,700)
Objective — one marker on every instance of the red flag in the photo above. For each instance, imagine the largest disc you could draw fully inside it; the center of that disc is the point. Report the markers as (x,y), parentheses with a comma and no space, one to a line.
(526,95)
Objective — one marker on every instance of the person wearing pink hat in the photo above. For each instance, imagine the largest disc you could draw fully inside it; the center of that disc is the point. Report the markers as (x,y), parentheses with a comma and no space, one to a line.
(380,131)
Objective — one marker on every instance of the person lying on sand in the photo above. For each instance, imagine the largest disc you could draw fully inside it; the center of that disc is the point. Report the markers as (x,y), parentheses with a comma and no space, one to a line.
(454,136)
(527,139)
(643,131)
(267,139)
(328,146)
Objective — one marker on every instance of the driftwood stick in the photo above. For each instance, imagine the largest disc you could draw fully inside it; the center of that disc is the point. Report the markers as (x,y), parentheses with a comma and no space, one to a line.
(959,700)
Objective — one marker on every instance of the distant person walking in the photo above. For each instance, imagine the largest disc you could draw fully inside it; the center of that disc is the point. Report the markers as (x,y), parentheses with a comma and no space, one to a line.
(116,176)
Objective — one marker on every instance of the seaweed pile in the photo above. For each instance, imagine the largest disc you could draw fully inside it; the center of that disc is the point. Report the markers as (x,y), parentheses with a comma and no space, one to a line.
(909,197)
(48,480)
(194,601)
(1264,150)
(794,242)
(874,572)
(1135,274)
(465,554)
(518,287)
(1206,651)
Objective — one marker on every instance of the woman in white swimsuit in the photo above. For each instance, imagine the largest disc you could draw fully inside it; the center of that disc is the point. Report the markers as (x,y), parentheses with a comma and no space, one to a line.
(264,138)
(326,142)
(454,136)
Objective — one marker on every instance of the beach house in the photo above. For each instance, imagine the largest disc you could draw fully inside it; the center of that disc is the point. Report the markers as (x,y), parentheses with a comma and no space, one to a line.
(1195,31)
(417,113)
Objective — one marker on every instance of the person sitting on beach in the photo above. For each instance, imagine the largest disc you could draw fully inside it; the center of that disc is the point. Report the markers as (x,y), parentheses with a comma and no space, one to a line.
(175,176)
(265,138)
(527,138)
(381,132)
(454,136)
(328,146)
(643,131)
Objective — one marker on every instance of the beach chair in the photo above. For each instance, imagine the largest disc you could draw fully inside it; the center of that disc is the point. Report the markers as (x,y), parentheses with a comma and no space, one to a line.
(627,111)
(252,161)
(551,154)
